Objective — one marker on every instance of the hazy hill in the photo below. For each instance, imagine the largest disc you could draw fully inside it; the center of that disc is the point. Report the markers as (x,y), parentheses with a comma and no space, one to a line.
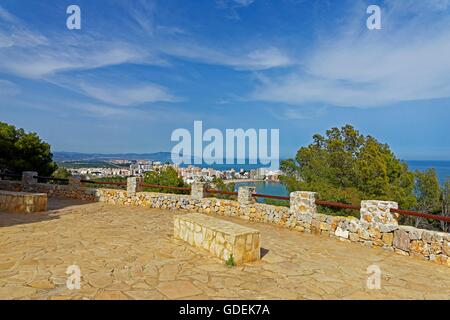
(77,156)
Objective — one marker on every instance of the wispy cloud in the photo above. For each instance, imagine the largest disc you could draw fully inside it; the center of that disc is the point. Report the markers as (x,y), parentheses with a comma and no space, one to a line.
(7,88)
(30,54)
(126,95)
(41,62)
(257,59)
(99,110)
(409,59)
(14,33)
(244,3)
(303,113)
(234,3)
(232,7)
(142,12)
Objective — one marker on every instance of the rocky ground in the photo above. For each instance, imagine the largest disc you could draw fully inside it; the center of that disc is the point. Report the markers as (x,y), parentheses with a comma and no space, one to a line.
(129,253)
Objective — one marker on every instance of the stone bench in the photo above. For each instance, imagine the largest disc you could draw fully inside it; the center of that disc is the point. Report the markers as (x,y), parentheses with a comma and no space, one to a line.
(22,202)
(219,237)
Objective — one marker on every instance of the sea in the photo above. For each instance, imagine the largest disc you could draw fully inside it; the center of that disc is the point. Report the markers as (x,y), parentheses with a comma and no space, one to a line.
(277,189)
(442,168)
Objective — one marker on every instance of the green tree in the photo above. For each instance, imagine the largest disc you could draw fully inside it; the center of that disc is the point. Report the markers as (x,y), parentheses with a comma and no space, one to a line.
(21,151)
(104,179)
(427,190)
(445,202)
(428,193)
(276,202)
(218,184)
(167,176)
(61,173)
(346,166)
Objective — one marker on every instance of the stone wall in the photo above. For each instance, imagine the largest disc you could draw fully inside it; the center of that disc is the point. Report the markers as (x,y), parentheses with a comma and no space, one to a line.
(21,202)
(64,191)
(8,185)
(377,227)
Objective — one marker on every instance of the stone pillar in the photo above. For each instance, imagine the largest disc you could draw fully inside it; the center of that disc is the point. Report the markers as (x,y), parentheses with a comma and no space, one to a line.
(75,182)
(245,195)
(132,186)
(303,202)
(198,190)
(28,179)
(379,212)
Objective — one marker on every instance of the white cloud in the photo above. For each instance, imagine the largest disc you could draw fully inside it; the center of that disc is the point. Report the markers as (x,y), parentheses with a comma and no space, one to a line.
(30,54)
(234,3)
(98,110)
(41,62)
(257,59)
(417,6)
(142,12)
(7,88)
(232,7)
(244,3)
(293,113)
(408,60)
(13,32)
(123,95)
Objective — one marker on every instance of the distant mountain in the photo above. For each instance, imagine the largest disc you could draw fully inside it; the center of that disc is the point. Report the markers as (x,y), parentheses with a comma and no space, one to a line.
(77,156)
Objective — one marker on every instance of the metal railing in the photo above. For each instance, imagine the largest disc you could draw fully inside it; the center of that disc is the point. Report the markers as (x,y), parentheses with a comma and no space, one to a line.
(105,183)
(11,175)
(231,193)
(267,196)
(337,205)
(421,215)
(157,186)
(51,179)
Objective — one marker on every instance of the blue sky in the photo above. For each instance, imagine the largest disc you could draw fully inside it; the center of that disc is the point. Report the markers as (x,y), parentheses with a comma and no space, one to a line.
(137,70)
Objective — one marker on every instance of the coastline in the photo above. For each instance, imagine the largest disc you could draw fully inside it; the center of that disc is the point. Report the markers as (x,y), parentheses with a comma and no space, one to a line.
(246,180)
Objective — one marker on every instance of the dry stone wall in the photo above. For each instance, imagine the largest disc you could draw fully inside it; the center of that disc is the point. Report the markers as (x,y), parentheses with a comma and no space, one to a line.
(21,202)
(15,186)
(377,227)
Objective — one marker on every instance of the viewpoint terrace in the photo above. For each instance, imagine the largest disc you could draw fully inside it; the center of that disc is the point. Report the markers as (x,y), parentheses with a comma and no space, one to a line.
(123,242)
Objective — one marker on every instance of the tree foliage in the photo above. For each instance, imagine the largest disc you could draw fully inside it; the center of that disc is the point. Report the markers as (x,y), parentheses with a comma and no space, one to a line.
(346,166)
(22,151)
(276,202)
(61,173)
(219,184)
(445,201)
(427,191)
(165,177)
(428,197)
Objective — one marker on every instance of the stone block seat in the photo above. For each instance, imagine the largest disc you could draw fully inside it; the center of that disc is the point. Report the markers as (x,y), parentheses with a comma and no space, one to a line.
(221,238)
(22,202)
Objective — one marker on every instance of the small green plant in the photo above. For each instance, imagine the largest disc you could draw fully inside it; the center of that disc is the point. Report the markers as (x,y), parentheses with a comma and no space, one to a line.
(230,261)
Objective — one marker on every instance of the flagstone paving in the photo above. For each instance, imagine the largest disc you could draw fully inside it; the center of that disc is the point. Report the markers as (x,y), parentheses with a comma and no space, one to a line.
(129,253)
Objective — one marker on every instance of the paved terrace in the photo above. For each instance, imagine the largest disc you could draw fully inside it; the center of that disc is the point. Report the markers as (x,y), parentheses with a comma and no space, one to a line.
(129,253)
